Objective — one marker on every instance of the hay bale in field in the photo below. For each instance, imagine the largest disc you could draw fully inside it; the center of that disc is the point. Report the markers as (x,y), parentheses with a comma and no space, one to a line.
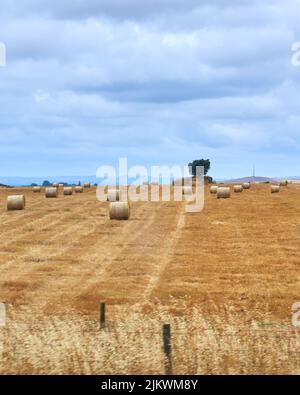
(51,192)
(16,202)
(246,185)
(187,190)
(275,188)
(284,183)
(87,185)
(113,195)
(78,189)
(55,185)
(119,210)
(214,189)
(68,191)
(238,188)
(223,193)
(61,185)
(36,189)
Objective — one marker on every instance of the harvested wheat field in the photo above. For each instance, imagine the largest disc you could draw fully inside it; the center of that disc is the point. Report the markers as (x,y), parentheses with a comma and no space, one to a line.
(225,279)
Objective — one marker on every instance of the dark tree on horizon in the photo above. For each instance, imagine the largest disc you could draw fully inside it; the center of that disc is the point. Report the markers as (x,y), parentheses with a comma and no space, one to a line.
(199,162)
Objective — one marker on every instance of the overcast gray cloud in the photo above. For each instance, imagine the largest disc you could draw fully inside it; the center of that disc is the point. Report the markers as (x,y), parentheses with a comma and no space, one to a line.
(157,81)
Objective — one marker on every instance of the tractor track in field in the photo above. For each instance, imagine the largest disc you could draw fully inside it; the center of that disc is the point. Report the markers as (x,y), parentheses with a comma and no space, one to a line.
(167,251)
(77,272)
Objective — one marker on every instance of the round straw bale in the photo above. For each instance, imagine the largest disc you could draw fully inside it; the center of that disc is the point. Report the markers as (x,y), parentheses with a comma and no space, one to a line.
(61,185)
(283,183)
(113,195)
(55,185)
(214,189)
(119,210)
(238,188)
(275,188)
(223,193)
(16,202)
(51,192)
(246,185)
(36,189)
(187,190)
(68,191)
(79,189)
(87,185)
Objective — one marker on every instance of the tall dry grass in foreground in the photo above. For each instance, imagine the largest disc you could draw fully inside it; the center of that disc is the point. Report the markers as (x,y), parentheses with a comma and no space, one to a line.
(229,342)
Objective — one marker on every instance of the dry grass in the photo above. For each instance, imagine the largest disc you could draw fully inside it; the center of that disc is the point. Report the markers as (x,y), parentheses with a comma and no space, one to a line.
(227,342)
(235,265)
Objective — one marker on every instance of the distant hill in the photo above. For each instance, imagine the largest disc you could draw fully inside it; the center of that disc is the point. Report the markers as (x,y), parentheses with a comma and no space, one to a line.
(251,180)
(5,186)
(27,181)
(8,182)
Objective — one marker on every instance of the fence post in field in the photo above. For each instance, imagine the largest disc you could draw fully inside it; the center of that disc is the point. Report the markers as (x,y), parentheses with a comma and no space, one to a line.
(102,316)
(167,348)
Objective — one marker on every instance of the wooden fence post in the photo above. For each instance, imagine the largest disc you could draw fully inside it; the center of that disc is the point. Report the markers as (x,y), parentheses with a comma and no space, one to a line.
(102,316)
(167,348)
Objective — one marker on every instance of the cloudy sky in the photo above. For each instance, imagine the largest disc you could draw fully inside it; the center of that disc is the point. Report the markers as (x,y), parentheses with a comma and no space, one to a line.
(157,81)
